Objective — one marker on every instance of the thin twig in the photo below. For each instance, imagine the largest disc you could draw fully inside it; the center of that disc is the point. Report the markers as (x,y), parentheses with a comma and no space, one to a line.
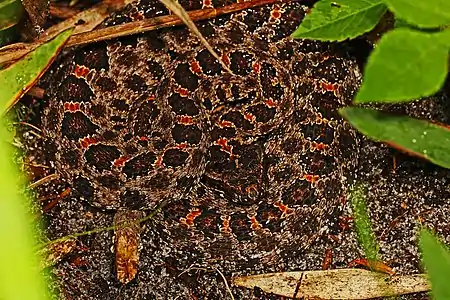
(28,124)
(41,181)
(226,283)
(36,165)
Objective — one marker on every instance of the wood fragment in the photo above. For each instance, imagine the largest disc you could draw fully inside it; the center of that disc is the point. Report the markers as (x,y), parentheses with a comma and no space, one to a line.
(126,244)
(335,284)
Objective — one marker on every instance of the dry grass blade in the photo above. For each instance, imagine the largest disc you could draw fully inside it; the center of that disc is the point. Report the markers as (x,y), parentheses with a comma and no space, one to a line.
(41,181)
(178,10)
(14,52)
(335,284)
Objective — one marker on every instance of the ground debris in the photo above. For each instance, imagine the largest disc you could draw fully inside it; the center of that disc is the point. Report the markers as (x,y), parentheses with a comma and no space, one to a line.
(127,244)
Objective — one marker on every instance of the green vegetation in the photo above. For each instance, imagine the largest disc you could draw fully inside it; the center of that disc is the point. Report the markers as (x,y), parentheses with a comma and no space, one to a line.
(10,13)
(18,78)
(420,138)
(436,258)
(340,20)
(19,272)
(363,225)
(406,65)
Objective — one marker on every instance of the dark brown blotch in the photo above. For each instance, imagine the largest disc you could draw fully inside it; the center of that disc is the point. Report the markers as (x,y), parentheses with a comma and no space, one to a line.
(182,105)
(175,157)
(186,133)
(75,89)
(76,125)
(185,78)
(101,156)
(139,165)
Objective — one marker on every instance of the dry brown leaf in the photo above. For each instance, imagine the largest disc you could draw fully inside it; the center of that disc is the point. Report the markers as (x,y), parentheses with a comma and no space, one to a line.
(178,10)
(53,253)
(335,284)
(127,240)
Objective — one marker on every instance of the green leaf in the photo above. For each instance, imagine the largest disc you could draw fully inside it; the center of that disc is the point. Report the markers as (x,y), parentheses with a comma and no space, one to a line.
(10,13)
(416,137)
(341,19)
(363,225)
(428,14)
(19,265)
(405,65)
(436,259)
(18,78)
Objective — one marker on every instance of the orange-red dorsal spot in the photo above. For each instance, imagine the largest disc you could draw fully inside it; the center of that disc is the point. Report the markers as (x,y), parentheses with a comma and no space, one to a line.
(81,71)
(249,117)
(86,142)
(255,224)
(182,91)
(284,208)
(223,124)
(143,138)
(223,143)
(311,178)
(151,98)
(275,14)
(181,146)
(72,107)
(256,67)
(329,87)
(195,67)
(319,146)
(65,193)
(226,58)
(225,228)
(270,103)
(207,4)
(159,161)
(190,217)
(185,120)
(120,162)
